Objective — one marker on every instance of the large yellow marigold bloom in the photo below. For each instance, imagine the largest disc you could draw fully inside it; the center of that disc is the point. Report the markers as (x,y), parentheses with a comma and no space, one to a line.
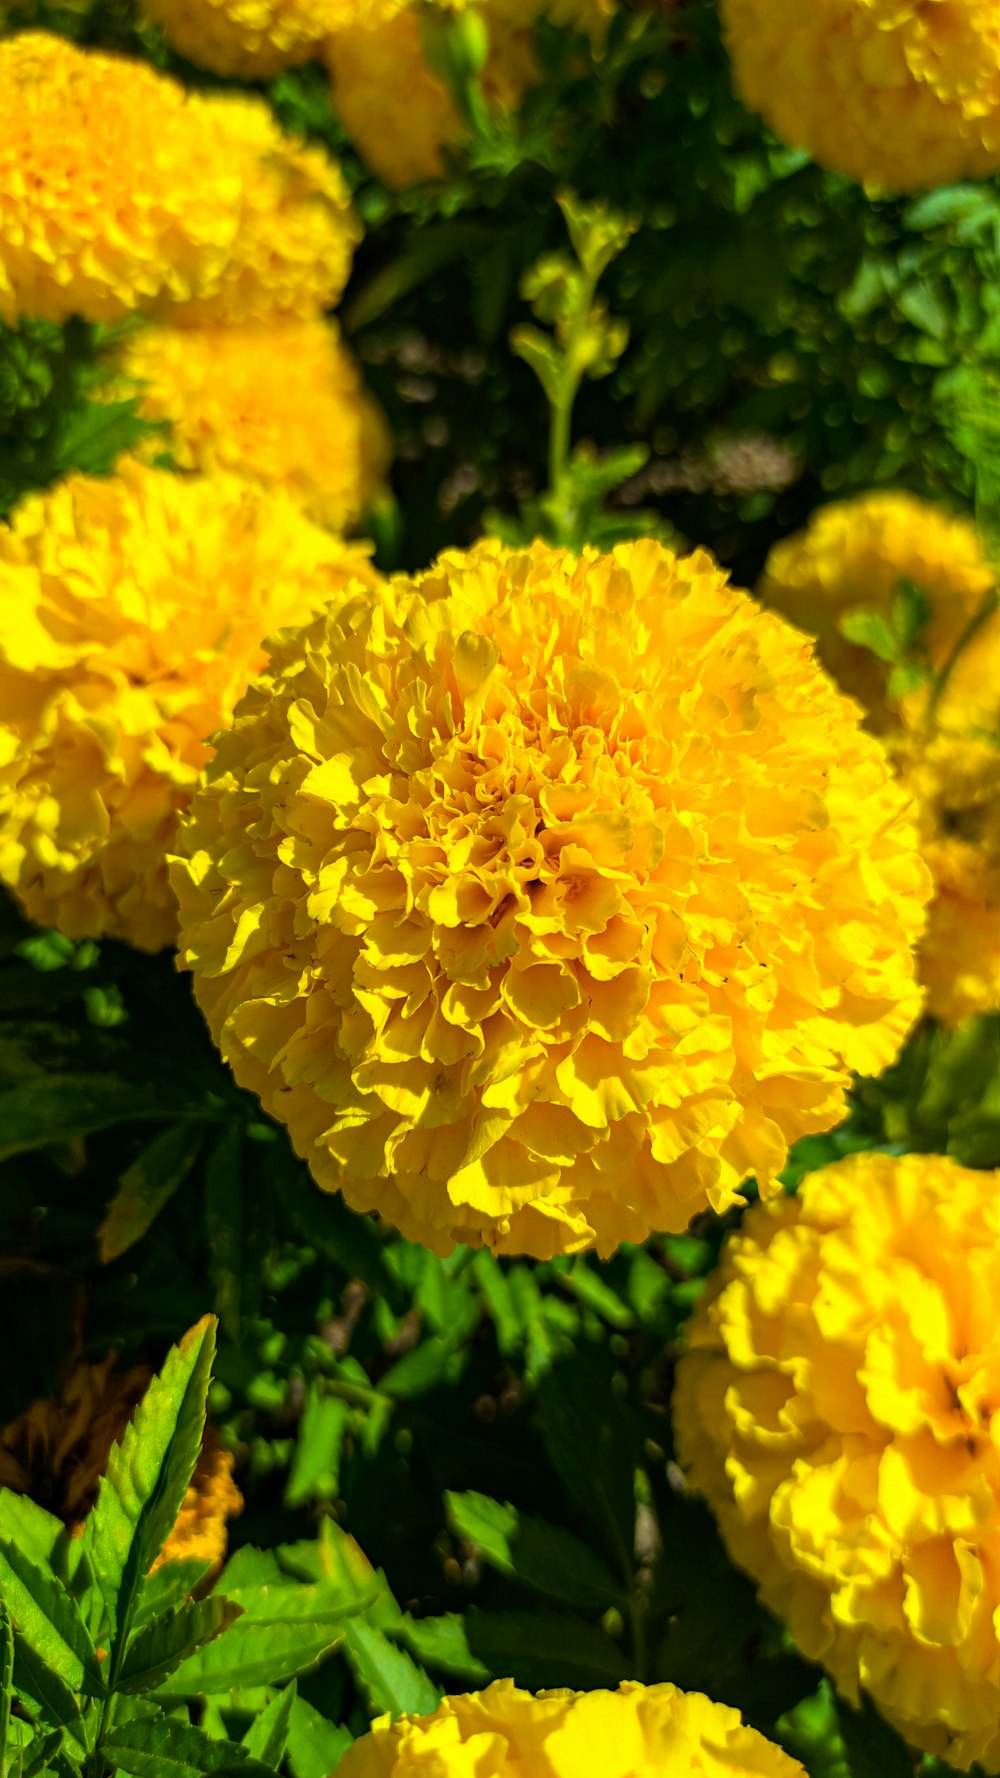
(253,39)
(283,405)
(120,191)
(902,95)
(57,1451)
(134,613)
(545,899)
(852,556)
(562,1734)
(839,1408)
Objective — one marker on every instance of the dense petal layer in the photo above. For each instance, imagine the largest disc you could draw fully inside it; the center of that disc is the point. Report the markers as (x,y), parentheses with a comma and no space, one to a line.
(839,1408)
(637,1730)
(547,898)
(902,95)
(135,611)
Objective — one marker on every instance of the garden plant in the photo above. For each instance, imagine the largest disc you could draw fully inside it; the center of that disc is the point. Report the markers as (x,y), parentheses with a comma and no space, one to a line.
(499,888)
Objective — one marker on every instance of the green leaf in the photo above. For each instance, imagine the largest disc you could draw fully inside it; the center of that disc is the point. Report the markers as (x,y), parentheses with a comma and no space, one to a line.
(492,1281)
(388,1676)
(597,232)
(42,1750)
(267,1735)
(441,1642)
(545,1648)
(53,1698)
(225,1216)
(29,1526)
(315,1471)
(315,1746)
(543,355)
(324,1221)
(170,1585)
(148,1185)
(592,1444)
(60,1108)
(909,614)
(284,1631)
(163,1645)
(48,1621)
(546,1557)
(869,629)
(163,1747)
(147,1476)
(6,1680)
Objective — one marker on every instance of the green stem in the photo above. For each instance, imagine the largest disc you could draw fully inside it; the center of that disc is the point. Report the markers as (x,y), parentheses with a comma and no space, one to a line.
(572,377)
(990,604)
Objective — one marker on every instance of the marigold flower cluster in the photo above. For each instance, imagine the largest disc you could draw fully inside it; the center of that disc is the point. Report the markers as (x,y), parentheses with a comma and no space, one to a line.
(135,610)
(57,1451)
(544,899)
(902,95)
(283,406)
(254,39)
(839,1408)
(121,191)
(853,556)
(564,1734)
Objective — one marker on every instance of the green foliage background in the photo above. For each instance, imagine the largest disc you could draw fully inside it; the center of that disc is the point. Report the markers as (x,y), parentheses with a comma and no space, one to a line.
(494,1435)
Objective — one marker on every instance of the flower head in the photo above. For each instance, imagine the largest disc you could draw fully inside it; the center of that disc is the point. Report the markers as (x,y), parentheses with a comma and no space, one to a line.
(135,611)
(283,405)
(253,38)
(544,899)
(121,191)
(563,1734)
(902,95)
(839,1408)
(852,556)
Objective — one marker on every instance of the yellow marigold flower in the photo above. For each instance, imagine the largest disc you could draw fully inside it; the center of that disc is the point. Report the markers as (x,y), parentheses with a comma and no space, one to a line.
(58,1450)
(135,610)
(283,405)
(852,556)
(839,1408)
(253,39)
(955,781)
(564,1734)
(396,109)
(902,95)
(544,899)
(119,190)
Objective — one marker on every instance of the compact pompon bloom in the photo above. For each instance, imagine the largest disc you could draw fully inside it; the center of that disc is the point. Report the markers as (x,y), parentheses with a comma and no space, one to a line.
(121,191)
(902,95)
(283,405)
(57,1451)
(564,1734)
(852,556)
(396,109)
(839,1408)
(952,770)
(135,610)
(544,899)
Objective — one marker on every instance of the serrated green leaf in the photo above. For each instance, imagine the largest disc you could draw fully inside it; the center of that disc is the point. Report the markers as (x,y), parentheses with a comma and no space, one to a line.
(169,1585)
(597,232)
(389,1677)
(545,1557)
(38,1754)
(315,1746)
(545,1648)
(163,1747)
(24,1523)
(145,1481)
(155,1651)
(543,356)
(55,1702)
(315,1471)
(6,1680)
(47,1619)
(284,1631)
(148,1185)
(267,1735)
(441,1642)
